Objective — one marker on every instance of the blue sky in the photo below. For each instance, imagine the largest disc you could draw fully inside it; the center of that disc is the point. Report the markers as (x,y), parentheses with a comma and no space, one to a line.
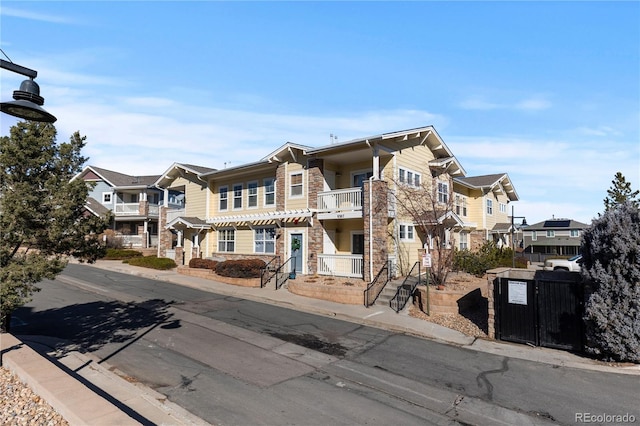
(546,92)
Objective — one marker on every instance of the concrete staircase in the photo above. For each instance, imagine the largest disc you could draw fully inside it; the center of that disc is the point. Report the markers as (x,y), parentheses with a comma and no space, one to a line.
(389,292)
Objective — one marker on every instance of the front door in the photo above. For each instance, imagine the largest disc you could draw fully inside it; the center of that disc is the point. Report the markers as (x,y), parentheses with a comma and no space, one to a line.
(296,252)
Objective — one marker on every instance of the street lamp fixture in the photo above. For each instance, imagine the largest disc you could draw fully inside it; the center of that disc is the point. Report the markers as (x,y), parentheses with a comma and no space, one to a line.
(513,246)
(28,102)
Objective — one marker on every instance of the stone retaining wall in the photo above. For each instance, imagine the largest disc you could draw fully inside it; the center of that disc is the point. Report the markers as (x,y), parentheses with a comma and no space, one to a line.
(449,301)
(340,294)
(210,275)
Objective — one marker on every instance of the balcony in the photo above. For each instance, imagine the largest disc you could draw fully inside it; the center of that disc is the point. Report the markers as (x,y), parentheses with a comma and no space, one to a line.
(340,204)
(342,265)
(133,209)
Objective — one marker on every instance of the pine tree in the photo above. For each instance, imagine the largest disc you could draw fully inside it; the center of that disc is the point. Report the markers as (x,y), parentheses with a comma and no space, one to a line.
(620,192)
(42,215)
(611,270)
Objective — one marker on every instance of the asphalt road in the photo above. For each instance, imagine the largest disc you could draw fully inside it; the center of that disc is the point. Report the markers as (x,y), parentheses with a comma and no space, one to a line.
(232,361)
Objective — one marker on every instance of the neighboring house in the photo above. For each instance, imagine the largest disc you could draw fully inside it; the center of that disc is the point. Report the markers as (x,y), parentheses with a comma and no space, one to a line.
(331,208)
(551,238)
(133,200)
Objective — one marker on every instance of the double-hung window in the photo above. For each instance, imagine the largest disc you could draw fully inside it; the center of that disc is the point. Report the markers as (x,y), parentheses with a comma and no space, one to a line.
(226,240)
(551,233)
(237,196)
(296,185)
(489,206)
(252,194)
(265,240)
(443,192)
(223,193)
(269,192)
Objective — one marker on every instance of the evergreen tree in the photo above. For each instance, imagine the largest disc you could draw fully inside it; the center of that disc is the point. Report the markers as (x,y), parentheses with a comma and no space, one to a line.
(611,270)
(42,215)
(620,192)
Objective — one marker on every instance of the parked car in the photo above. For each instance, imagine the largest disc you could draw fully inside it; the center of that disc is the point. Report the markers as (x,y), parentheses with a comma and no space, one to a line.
(572,264)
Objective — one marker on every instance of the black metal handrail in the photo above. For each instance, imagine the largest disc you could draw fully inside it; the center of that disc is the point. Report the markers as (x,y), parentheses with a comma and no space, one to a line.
(405,290)
(377,285)
(269,271)
(282,274)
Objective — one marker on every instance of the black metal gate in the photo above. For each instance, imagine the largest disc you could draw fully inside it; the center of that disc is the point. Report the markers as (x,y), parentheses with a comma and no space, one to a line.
(542,312)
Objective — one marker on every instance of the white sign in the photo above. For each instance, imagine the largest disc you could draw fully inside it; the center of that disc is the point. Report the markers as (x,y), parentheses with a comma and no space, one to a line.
(517,292)
(426,260)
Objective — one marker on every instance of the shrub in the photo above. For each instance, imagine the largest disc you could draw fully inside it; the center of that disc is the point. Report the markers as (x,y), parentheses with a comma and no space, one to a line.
(611,270)
(203,263)
(152,262)
(488,256)
(120,254)
(243,268)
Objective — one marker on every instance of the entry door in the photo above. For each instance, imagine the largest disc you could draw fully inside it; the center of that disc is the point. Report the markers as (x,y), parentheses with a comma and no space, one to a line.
(296,248)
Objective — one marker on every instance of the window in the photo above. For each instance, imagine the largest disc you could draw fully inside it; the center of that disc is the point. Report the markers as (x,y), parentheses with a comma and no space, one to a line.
(464,240)
(575,233)
(237,196)
(489,206)
(359,178)
(226,240)
(264,240)
(443,192)
(551,233)
(106,198)
(503,208)
(224,197)
(357,243)
(406,232)
(534,236)
(252,194)
(409,177)
(296,185)
(461,205)
(269,192)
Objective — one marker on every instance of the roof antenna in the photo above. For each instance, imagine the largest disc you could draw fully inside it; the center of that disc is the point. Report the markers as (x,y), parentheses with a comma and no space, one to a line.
(333,138)
(227,162)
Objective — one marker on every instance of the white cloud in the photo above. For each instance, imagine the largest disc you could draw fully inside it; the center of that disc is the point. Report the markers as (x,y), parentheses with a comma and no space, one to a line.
(26,14)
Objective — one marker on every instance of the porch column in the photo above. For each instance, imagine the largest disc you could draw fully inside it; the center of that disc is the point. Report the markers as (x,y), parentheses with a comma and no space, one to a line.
(375,215)
(316,185)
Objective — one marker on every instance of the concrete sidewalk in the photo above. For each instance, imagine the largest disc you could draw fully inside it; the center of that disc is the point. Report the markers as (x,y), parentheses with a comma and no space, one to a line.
(87,393)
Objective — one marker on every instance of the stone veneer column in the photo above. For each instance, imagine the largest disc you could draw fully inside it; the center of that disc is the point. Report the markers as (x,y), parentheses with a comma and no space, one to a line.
(377,238)
(280,193)
(164,235)
(315,237)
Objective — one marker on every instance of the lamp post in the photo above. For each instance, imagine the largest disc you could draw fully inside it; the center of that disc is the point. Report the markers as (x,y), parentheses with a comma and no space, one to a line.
(513,246)
(28,102)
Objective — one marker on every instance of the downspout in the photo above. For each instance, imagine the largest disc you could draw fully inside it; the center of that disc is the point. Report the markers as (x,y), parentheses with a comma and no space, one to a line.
(371,228)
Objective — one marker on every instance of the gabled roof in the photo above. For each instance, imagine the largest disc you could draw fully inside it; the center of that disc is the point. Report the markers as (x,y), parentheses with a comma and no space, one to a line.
(180,169)
(95,207)
(188,222)
(116,179)
(486,183)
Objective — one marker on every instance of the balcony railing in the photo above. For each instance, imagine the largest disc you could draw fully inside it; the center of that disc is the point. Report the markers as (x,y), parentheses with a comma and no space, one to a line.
(174,213)
(348,199)
(342,265)
(133,209)
(127,209)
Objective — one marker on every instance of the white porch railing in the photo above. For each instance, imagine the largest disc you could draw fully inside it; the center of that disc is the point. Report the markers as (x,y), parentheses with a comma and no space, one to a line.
(340,200)
(173,213)
(154,210)
(132,241)
(127,209)
(342,265)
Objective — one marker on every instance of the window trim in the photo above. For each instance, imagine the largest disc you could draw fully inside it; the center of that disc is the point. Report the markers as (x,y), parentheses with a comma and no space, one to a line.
(249,195)
(223,189)
(441,195)
(105,195)
(551,233)
(301,184)
(227,232)
(267,193)
(403,177)
(406,227)
(264,240)
(489,207)
(237,198)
